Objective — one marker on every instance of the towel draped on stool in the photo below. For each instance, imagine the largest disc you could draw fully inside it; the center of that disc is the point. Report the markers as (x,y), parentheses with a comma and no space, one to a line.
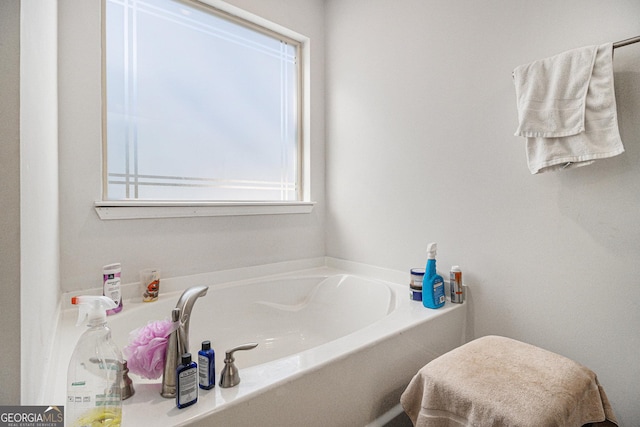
(498,381)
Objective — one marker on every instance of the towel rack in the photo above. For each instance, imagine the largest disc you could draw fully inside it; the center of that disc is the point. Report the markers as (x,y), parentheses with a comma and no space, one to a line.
(616,45)
(626,42)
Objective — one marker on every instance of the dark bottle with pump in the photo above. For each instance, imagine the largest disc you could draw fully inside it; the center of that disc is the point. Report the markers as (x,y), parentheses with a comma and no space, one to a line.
(186,382)
(206,366)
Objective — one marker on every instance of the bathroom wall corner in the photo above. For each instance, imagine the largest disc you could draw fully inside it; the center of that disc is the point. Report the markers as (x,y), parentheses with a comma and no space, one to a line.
(38,196)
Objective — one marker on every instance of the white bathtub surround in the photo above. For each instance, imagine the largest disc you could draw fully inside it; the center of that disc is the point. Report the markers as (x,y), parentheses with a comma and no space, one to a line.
(338,343)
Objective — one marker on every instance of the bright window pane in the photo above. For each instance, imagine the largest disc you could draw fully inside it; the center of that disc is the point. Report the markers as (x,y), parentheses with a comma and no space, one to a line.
(198,107)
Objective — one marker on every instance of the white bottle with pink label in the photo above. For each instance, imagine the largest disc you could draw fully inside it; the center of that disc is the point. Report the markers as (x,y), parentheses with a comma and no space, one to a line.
(111,286)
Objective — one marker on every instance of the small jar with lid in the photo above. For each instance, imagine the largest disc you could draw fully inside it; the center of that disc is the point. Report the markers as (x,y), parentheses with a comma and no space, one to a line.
(415,287)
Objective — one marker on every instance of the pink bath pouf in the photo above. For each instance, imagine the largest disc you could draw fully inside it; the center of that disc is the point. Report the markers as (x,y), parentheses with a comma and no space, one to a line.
(147,346)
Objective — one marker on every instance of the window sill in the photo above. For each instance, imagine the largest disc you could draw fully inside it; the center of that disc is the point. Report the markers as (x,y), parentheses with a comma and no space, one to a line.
(114,210)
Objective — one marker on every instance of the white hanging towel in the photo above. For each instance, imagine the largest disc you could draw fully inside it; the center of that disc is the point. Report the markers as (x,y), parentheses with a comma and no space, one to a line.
(567,109)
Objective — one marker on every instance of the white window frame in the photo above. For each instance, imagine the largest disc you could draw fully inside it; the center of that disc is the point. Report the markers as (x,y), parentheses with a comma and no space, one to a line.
(145,209)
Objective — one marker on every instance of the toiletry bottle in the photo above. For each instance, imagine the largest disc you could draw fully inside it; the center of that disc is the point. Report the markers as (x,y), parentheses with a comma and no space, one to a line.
(95,369)
(432,284)
(186,382)
(455,285)
(415,287)
(206,366)
(111,286)
(150,280)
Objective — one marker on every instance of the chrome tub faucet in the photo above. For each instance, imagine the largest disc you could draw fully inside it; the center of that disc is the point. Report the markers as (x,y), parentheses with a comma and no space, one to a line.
(179,339)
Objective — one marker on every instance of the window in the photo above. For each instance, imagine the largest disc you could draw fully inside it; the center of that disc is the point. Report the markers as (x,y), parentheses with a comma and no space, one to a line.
(200,106)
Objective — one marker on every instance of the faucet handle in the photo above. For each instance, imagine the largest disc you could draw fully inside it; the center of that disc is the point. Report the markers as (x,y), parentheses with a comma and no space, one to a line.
(229,376)
(248,346)
(126,385)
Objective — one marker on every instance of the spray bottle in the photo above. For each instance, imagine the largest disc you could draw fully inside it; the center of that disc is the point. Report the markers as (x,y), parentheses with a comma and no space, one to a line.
(432,283)
(93,378)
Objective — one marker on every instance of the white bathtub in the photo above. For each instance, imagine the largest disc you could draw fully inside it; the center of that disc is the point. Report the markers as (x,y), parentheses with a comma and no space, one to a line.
(335,348)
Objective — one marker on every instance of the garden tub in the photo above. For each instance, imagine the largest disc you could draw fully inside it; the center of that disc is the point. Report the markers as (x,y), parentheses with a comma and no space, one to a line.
(335,347)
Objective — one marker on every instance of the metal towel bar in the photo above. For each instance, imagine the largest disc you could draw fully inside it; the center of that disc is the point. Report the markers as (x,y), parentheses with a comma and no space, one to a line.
(626,42)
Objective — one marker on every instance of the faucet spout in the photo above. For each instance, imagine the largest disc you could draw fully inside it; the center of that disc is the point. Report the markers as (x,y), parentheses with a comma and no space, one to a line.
(185,304)
(179,339)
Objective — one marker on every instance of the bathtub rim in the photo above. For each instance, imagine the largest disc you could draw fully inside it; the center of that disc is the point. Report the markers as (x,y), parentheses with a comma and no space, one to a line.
(256,374)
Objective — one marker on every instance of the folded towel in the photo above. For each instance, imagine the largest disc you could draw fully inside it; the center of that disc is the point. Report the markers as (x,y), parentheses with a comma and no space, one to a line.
(551,93)
(567,109)
(497,381)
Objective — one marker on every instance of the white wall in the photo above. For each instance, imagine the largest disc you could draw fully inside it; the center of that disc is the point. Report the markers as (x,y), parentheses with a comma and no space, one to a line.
(420,147)
(39,237)
(177,246)
(10,196)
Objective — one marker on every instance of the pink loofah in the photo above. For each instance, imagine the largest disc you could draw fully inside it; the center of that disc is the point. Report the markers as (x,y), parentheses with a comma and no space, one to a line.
(147,347)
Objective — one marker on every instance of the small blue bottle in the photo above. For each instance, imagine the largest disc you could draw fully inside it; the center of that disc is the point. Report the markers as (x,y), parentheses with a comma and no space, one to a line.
(186,382)
(207,366)
(433,283)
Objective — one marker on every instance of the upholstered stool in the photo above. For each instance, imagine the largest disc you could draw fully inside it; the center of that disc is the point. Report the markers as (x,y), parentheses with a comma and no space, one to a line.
(497,381)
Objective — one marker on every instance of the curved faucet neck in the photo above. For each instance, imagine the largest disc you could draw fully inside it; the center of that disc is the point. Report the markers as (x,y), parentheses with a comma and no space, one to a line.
(179,339)
(185,304)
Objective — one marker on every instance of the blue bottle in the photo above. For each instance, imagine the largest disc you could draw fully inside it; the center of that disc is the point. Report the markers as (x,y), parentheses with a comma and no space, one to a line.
(432,283)
(186,382)
(207,366)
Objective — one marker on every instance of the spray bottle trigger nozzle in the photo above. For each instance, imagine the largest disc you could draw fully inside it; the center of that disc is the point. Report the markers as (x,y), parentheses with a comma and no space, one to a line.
(432,249)
(93,307)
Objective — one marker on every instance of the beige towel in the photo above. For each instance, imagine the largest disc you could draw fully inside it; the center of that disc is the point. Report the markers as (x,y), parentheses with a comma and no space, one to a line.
(497,381)
(567,109)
